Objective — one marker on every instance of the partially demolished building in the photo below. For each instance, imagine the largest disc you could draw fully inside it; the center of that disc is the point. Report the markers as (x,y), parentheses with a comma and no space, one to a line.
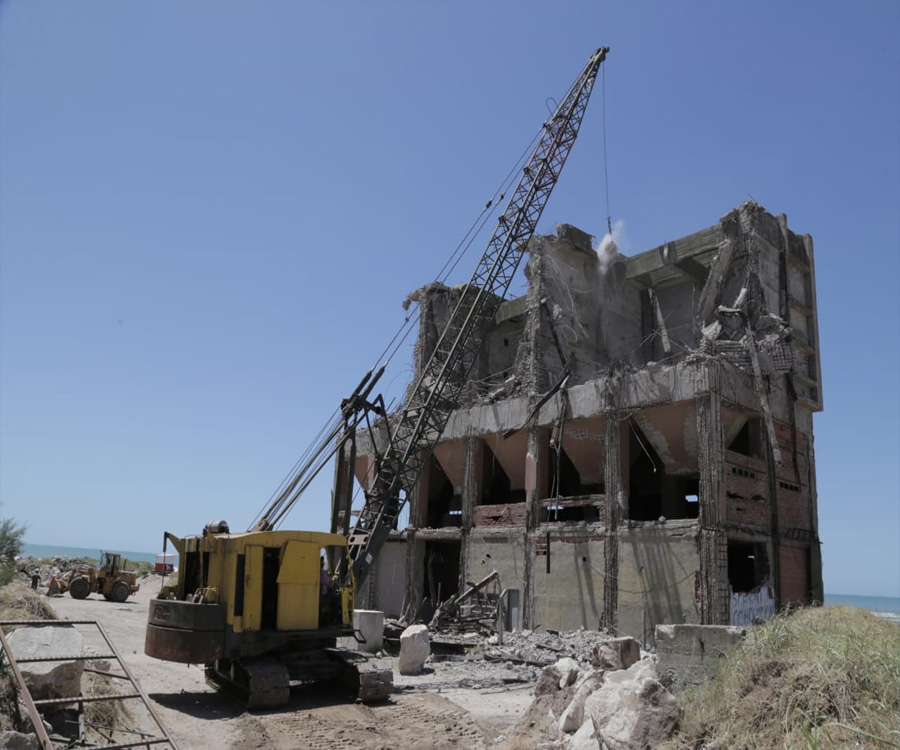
(636,445)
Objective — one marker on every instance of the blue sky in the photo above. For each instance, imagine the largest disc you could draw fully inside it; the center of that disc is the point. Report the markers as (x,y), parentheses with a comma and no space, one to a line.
(210,213)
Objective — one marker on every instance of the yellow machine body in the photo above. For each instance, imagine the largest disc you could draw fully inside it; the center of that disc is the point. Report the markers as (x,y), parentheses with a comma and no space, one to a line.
(248,594)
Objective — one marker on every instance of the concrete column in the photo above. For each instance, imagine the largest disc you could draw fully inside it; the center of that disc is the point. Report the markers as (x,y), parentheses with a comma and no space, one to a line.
(415,575)
(473,479)
(816,585)
(714,599)
(615,498)
(418,503)
(537,472)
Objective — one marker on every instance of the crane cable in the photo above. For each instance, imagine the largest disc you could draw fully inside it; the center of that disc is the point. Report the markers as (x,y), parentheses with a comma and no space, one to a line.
(605,170)
(320,449)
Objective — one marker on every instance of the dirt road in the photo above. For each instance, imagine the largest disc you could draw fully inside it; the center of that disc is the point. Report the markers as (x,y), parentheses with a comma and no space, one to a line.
(439,709)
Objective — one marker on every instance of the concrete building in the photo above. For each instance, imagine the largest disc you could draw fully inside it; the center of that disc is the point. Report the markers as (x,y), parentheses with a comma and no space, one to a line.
(636,445)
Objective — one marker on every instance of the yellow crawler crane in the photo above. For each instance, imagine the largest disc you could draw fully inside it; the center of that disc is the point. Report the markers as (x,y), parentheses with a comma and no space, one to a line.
(250,607)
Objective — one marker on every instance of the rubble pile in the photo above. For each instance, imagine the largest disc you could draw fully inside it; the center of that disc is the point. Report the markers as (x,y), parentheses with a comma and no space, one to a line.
(48,568)
(591,691)
(618,703)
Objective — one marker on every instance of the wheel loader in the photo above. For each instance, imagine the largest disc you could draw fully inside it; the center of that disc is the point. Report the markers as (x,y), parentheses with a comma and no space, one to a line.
(108,578)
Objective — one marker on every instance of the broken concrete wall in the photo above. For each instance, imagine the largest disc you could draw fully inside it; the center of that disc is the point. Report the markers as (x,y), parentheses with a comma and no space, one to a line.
(568,580)
(659,565)
(488,551)
(388,578)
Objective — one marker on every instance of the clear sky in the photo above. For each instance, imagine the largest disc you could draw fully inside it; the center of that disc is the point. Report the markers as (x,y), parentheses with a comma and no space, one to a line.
(210,213)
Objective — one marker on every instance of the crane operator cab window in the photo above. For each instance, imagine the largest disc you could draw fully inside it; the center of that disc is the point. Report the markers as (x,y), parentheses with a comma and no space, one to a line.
(329,597)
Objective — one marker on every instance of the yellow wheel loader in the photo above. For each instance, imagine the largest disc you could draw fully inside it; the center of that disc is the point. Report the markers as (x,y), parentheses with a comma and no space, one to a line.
(109,579)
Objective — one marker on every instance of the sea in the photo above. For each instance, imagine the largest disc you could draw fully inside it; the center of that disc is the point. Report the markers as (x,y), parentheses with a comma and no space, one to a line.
(887,607)
(49,550)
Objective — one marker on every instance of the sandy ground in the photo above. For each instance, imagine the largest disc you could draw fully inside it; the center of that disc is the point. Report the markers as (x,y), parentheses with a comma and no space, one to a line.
(442,708)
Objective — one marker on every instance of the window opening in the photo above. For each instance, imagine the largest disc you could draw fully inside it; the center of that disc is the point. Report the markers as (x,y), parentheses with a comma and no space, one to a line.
(748,566)
(441,573)
(748,442)
(496,484)
(645,478)
(444,507)
(271,563)
(570,481)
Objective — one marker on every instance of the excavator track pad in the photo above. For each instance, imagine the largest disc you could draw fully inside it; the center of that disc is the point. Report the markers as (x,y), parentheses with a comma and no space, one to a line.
(263,683)
(371,680)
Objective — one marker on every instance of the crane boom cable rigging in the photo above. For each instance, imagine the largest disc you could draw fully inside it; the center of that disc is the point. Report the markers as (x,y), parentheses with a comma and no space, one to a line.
(417,428)
(286,494)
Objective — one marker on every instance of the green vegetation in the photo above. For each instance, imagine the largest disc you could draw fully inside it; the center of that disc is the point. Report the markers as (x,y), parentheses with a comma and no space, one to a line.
(818,678)
(12,538)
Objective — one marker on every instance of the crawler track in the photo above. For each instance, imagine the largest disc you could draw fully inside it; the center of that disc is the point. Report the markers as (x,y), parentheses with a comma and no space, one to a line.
(263,683)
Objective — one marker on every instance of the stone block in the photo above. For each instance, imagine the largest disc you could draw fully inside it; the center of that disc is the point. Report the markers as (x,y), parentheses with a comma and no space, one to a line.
(49,679)
(573,716)
(632,710)
(568,670)
(689,654)
(415,648)
(616,653)
(585,738)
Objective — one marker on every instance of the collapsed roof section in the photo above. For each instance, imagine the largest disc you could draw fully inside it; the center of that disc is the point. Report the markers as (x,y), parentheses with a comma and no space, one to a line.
(740,291)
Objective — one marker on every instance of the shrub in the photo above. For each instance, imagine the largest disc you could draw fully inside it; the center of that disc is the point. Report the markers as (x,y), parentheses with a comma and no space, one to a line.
(12,538)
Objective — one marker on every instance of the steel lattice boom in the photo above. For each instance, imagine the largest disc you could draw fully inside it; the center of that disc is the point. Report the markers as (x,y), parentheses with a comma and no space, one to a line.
(417,428)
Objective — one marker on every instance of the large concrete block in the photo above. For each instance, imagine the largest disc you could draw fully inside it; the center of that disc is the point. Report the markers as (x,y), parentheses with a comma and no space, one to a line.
(370,623)
(49,679)
(689,654)
(573,717)
(415,648)
(585,738)
(616,653)
(632,710)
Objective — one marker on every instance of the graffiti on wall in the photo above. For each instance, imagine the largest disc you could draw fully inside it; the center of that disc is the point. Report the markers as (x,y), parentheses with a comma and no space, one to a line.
(754,606)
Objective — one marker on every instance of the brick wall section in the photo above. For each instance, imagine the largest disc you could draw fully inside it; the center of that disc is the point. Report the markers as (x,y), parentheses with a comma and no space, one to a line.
(512,514)
(792,488)
(599,502)
(745,487)
(794,575)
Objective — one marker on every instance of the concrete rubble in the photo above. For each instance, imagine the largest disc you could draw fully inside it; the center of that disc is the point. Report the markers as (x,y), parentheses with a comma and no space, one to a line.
(11,740)
(49,679)
(57,566)
(575,704)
